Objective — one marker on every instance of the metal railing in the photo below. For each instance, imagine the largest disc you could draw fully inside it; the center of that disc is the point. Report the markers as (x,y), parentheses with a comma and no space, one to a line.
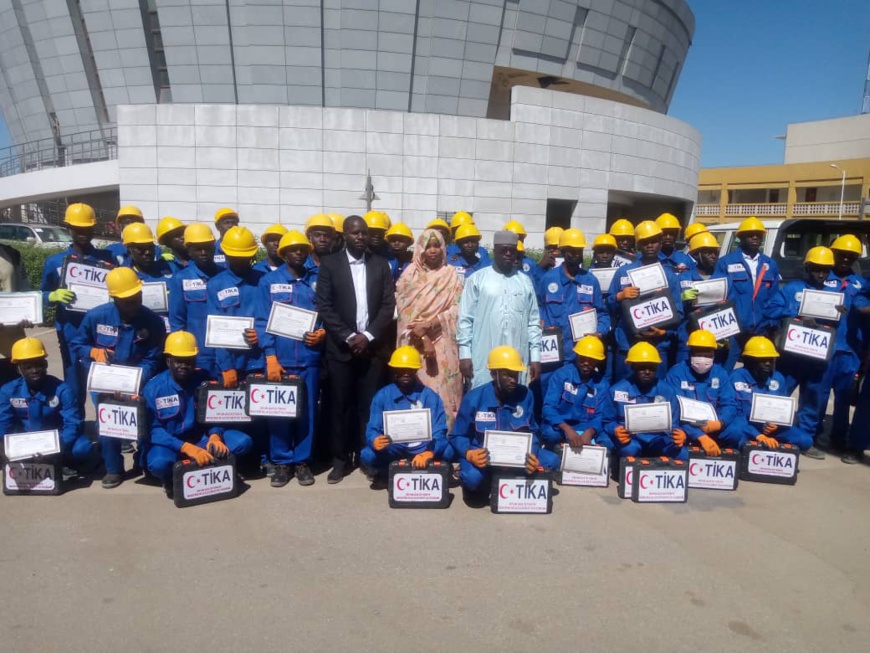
(83,147)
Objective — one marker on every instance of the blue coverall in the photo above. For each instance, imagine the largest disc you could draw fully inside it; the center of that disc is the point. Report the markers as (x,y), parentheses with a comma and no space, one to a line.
(171,415)
(188,311)
(481,411)
(482,254)
(137,344)
(577,403)
(220,258)
(230,295)
(312,266)
(53,407)
(659,443)
(391,398)
(121,256)
(741,430)
(265,267)
(712,387)
(396,268)
(678,262)
(687,279)
(463,268)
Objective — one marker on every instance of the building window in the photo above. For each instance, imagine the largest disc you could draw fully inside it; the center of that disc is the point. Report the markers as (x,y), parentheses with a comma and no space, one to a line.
(559,213)
(156,52)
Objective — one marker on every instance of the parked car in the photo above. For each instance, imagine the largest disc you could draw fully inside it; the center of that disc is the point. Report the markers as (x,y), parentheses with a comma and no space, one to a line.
(39,235)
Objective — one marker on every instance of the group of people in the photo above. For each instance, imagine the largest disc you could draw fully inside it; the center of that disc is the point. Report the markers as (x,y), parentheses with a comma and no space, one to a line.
(433,322)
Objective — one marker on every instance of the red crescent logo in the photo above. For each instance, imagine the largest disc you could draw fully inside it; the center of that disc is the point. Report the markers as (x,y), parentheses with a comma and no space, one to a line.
(501,489)
(754,461)
(256,395)
(103,420)
(74,272)
(792,331)
(629,477)
(643,478)
(191,481)
(401,483)
(635,313)
(692,469)
(210,404)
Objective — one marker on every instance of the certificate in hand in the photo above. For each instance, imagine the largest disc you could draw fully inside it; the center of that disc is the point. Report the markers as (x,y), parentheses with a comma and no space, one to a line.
(414,425)
(773,409)
(290,321)
(507,448)
(87,297)
(648,418)
(154,296)
(821,304)
(109,379)
(693,411)
(18,306)
(21,446)
(604,276)
(711,291)
(227,332)
(585,460)
(648,278)
(583,323)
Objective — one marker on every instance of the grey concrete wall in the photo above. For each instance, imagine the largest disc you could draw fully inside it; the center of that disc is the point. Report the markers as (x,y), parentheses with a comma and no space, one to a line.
(828,140)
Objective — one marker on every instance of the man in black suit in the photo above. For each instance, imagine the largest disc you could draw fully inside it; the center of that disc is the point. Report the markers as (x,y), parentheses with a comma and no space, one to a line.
(356,299)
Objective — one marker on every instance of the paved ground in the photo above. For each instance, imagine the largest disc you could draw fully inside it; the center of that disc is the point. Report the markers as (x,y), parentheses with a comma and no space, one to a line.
(330,568)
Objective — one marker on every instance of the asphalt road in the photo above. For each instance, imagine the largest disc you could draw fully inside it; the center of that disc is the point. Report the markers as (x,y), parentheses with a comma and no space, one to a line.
(328,568)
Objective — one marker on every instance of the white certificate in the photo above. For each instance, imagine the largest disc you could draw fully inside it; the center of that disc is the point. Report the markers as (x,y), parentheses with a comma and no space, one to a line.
(18,306)
(821,304)
(290,321)
(648,278)
(114,378)
(87,297)
(585,460)
(773,409)
(414,425)
(583,323)
(711,291)
(21,446)
(648,418)
(604,276)
(227,332)
(693,411)
(155,297)
(507,448)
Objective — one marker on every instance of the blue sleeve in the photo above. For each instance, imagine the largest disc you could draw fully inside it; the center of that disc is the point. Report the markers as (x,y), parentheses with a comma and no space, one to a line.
(177,306)
(50,278)
(7,418)
(778,307)
(70,413)
(81,342)
(375,427)
(159,434)
(550,412)
(439,425)
(463,428)
(261,318)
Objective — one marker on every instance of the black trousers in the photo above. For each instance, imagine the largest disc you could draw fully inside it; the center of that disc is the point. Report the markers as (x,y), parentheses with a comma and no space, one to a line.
(352,386)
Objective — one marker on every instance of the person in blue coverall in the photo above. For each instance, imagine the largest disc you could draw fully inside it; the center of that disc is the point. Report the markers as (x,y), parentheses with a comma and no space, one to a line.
(122,332)
(574,403)
(188,307)
(127,215)
(170,406)
(643,387)
(320,231)
(700,378)
(468,257)
(170,235)
(291,441)
(80,220)
(224,220)
(759,375)
(753,281)
(270,239)
(669,256)
(502,405)
(524,264)
(405,393)
(40,402)
(399,240)
(649,242)
(460,219)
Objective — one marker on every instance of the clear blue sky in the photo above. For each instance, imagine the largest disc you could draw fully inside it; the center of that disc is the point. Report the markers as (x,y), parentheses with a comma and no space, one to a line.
(755,66)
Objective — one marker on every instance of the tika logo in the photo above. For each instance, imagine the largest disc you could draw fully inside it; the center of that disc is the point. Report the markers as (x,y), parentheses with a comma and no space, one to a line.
(227,401)
(549,345)
(117,416)
(663,485)
(417,487)
(87,275)
(652,312)
(18,402)
(772,463)
(118,421)
(713,474)
(34,477)
(193,284)
(226,406)
(718,321)
(107,330)
(201,483)
(227,292)
(521,495)
(272,400)
(808,342)
(170,401)
(277,288)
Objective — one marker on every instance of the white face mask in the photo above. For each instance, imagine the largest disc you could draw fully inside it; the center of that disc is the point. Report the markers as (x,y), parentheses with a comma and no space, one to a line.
(700,364)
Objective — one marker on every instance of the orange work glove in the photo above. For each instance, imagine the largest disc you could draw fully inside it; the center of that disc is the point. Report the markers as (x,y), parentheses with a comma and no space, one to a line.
(381,442)
(767,442)
(314,338)
(477,457)
(531,463)
(709,445)
(770,429)
(658,333)
(422,459)
(711,427)
(216,447)
(100,355)
(273,368)
(622,435)
(231,379)
(629,292)
(198,454)
(679,436)
(251,337)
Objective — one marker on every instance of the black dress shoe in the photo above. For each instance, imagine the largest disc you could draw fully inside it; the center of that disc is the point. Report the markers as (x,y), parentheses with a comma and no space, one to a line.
(336,475)
(304,475)
(112,480)
(281,476)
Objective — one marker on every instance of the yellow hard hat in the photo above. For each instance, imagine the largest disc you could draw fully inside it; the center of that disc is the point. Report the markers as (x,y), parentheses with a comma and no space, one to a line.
(438,223)
(122,283)
(239,241)
(377,220)
(572,238)
(469,230)
(80,215)
(647,229)
(819,256)
(127,211)
(137,233)
(198,233)
(694,229)
(406,358)
(460,218)
(320,220)
(27,349)
(181,344)
(621,227)
(590,347)
(668,221)
(514,227)
(520,247)
(292,238)
(604,240)
(643,352)
(751,224)
(702,240)
(552,235)
(847,243)
(273,230)
(337,221)
(760,347)
(225,213)
(701,338)
(167,225)
(505,357)
(400,230)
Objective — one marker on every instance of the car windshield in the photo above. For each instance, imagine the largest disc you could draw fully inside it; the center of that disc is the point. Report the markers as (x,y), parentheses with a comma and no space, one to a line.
(53,234)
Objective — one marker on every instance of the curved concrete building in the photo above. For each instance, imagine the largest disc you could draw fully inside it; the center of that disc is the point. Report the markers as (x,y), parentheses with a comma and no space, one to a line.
(550,111)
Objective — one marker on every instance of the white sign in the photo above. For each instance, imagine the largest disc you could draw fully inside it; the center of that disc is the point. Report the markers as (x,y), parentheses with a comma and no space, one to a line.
(523,495)
(648,418)
(660,486)
(588,480)
(773,409)
(83,274)
(272,399)
(117,421)
(711,291)
(199,483)
(87,297)
(225,406)
(722,324)
(415,486)
(155,296)
(289,321)
(627,479)
(821,304)
(772,463)
(227,332)
(650,312)
(604,276)
(551,347)
(648,278)
(583,323)
(21,446)
(16,307)
(803,341)
(31,477)
(408,426)
(110,379)
(693,411)
(507,448)
(585,460)
(713,474)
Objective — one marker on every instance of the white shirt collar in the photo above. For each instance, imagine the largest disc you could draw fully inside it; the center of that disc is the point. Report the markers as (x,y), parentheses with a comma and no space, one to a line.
(355,261)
